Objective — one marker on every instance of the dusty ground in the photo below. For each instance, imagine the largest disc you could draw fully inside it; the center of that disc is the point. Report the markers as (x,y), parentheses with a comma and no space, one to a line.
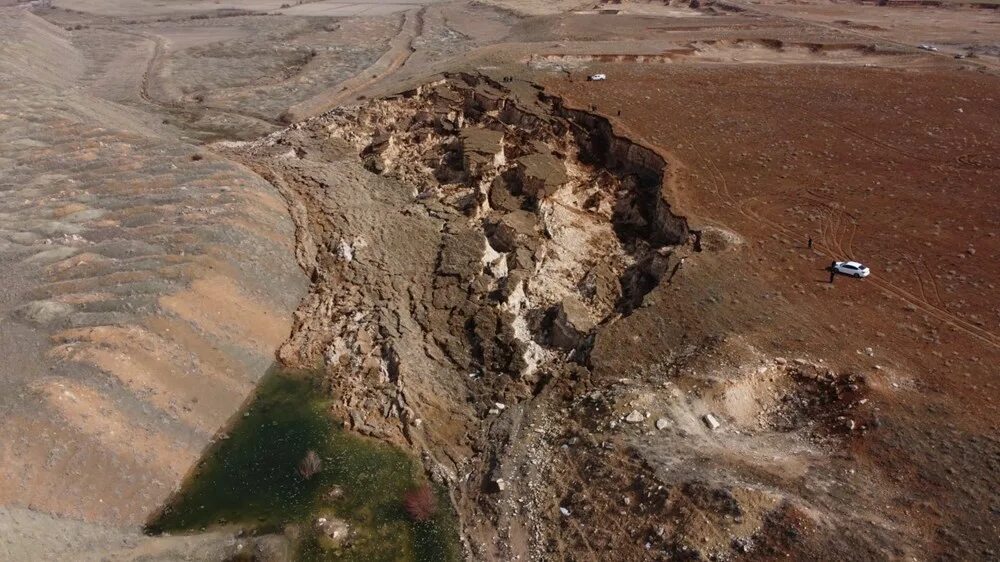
(145,286)
(541,285)
(851,164)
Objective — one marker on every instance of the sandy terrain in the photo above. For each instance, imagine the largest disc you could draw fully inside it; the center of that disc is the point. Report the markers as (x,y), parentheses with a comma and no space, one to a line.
(130,270)
(955,28)
(193,7)
(598,312)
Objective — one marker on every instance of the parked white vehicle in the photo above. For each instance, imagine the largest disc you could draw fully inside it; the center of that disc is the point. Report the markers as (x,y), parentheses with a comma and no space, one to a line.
(851,268)
(597,77)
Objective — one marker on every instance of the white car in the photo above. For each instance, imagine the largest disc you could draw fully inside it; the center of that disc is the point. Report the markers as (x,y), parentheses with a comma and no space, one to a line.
(597,77)
(851,268)
(927,47)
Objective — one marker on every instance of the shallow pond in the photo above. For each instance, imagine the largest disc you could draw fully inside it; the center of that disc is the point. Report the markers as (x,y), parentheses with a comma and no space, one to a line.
(251,480)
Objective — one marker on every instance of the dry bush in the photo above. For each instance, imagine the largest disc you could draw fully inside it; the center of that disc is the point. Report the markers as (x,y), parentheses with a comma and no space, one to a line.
(310,465)
(420,503)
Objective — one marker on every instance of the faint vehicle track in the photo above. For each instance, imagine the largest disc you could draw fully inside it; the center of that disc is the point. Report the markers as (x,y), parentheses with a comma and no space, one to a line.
(836,242)
(832,238)
(154,63)
(757,9)
(400,50)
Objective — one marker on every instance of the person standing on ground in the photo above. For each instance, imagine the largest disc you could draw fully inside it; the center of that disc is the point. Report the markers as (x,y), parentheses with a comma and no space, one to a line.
(810,242)
(833,270)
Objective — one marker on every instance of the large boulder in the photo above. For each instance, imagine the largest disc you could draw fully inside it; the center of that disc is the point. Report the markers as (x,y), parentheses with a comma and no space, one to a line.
(571,324)
(513,230)
(501,198)
(540,174)
(481,149)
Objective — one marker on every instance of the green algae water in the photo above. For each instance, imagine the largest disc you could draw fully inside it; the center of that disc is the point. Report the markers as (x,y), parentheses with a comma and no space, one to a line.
(250,480)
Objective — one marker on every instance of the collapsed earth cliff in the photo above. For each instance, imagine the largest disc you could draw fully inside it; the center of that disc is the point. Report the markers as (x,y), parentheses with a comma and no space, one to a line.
(472,248)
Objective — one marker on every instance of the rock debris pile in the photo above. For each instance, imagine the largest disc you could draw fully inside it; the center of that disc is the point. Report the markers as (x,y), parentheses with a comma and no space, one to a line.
(467,244)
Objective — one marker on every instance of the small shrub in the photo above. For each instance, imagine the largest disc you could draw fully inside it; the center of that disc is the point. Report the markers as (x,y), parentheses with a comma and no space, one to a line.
(310,465)
(420,503)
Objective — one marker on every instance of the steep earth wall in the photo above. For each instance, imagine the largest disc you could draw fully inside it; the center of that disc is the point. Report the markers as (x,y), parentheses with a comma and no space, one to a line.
(465,244)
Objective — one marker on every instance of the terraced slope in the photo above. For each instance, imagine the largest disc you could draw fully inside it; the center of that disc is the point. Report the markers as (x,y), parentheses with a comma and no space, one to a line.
(145,288)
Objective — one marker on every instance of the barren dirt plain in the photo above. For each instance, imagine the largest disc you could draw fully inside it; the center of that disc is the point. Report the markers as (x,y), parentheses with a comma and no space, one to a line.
(597,313)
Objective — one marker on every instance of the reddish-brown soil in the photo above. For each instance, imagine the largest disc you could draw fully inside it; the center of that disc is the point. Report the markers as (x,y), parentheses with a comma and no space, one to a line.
(895,168)
(526,315)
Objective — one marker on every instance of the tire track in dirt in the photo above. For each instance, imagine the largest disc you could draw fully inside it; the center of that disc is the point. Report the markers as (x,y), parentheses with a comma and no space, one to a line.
(832,241)
(920,281)
(836,239)
(933,282)
(936,312)
(760,11)
(832,235)
(842,244)
(152,66)
(925,280)
(400,50)
(832,246)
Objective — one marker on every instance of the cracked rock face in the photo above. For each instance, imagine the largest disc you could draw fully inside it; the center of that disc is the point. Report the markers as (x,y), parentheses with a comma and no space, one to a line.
(488,279)
(572,323)
(464,246)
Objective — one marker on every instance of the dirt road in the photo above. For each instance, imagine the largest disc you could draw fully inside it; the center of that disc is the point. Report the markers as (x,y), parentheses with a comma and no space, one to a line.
(399,52)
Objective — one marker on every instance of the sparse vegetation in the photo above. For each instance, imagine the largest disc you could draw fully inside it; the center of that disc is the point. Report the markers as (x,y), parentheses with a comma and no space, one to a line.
(310,465)
(252,480)
(482,264)
(421,503)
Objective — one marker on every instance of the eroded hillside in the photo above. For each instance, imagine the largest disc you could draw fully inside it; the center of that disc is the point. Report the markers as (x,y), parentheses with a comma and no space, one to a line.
(146,284)
(474,249)
(595,312)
